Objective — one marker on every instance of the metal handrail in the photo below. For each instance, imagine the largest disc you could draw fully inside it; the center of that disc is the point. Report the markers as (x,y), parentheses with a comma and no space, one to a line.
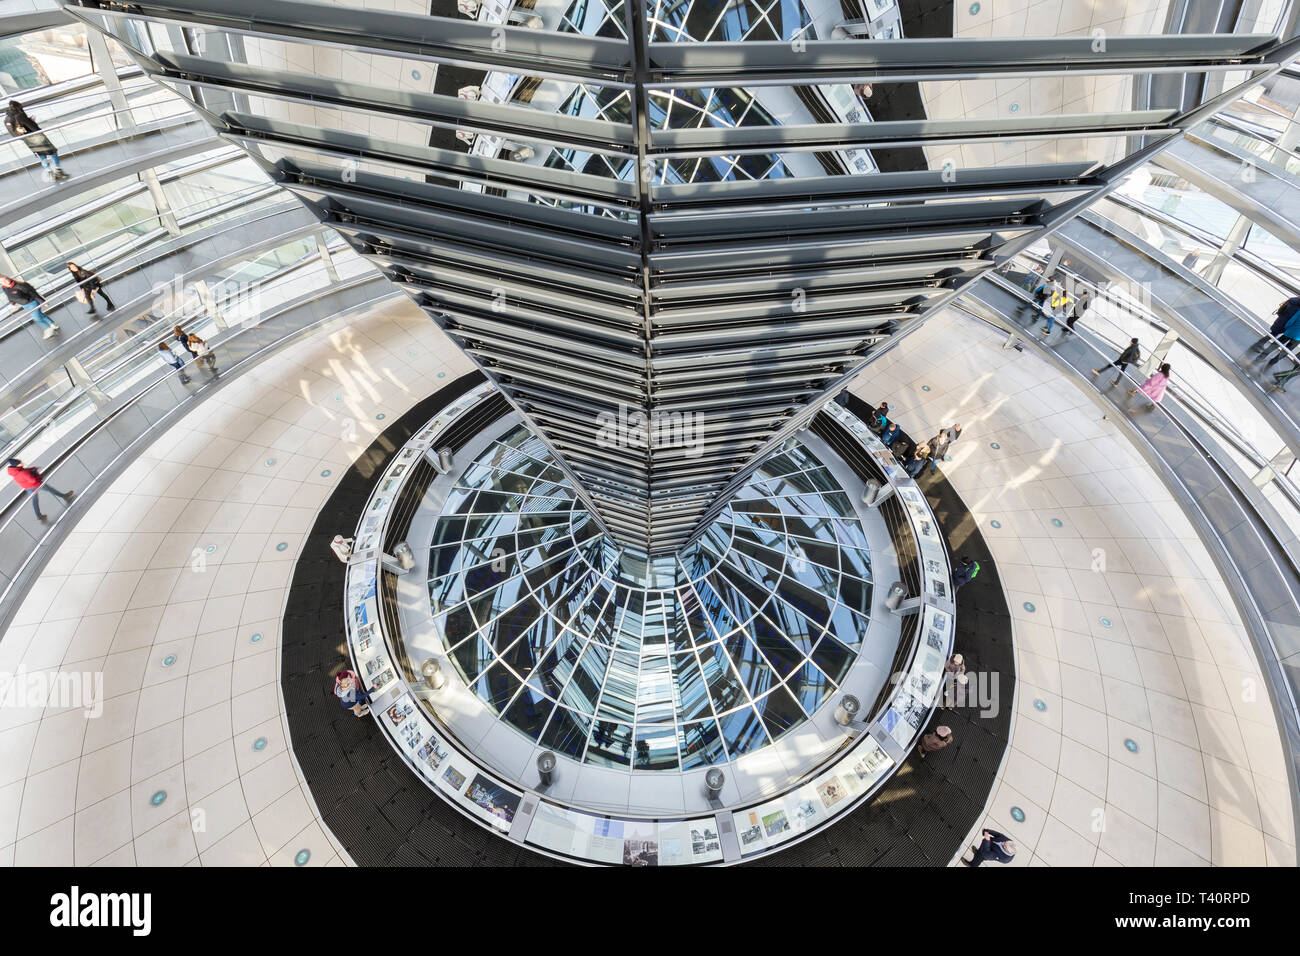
(144,342)
(1197,405)
(66,255)
(99,116)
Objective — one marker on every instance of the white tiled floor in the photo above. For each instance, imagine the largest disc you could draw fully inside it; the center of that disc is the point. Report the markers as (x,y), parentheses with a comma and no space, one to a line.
(1174,672)
(163,585)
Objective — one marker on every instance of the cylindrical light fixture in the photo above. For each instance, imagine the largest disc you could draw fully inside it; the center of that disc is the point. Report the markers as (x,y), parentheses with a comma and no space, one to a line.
(546,767)
(713,783)
(433,675)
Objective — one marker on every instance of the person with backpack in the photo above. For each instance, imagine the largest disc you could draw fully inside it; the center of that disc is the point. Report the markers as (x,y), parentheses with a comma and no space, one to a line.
(25,295)
(1054,307)
(32,481)
(1284,313)
(1041,292)
(22,126)
(1130,356)
(964,573)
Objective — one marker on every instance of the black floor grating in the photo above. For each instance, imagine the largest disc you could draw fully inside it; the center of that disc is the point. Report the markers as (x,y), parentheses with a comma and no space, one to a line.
(383,814)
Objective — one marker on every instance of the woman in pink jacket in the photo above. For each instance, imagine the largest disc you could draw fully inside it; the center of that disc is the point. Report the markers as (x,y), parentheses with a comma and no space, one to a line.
(1154,387)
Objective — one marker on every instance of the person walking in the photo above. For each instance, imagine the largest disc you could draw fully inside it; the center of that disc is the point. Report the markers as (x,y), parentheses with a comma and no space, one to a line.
(1055,308)
(940,442)
(32,481)
(934,741)
(1041,293)
(954,676)
(1076,312)
(179,334)
(347,688)
(890,434)
(1283,315)
(25,295)
(1129,356)
(88,284)
(170,359)
(1155,385)
(1286,341)
(993,846)
(20,125)
(964,573)
(204,353)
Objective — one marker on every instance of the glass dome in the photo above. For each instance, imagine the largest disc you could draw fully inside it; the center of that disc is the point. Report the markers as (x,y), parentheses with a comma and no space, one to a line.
(684,662)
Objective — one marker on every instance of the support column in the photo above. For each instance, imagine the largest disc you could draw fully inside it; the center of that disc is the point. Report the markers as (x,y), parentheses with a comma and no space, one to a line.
(1231,245)
(102,60)
(326,257)
(165,214)
(209,302)
(77,372)
(1157,354)
(1277,465)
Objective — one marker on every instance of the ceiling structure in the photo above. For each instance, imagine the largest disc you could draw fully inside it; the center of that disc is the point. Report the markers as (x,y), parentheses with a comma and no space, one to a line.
(669,244)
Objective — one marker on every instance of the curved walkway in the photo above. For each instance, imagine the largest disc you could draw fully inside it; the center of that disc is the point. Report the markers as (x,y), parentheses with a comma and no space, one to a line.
(1148,740)
(1210,323)
(188,762)
(162,588)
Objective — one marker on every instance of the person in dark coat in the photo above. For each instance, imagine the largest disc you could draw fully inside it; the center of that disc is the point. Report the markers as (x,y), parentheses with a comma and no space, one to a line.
(890,434)
(993,846)
(179,334)
(1286,340)
(90,284)
(963,573)
(1129,356)
(1079,307)
(1284,312)
(934,741)
(20,125)
(940,442)
(24,294)
(915,462)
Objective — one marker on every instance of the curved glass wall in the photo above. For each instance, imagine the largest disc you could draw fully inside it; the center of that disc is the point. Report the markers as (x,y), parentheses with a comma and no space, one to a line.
(120,226)
(1225,248)
(738,640)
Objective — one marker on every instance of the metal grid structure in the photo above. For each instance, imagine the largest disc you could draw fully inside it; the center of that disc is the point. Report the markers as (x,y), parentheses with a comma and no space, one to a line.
(624,276)
(744,638)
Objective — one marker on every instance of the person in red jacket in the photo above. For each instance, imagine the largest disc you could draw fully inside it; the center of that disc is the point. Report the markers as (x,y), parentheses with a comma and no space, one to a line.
(30,479)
